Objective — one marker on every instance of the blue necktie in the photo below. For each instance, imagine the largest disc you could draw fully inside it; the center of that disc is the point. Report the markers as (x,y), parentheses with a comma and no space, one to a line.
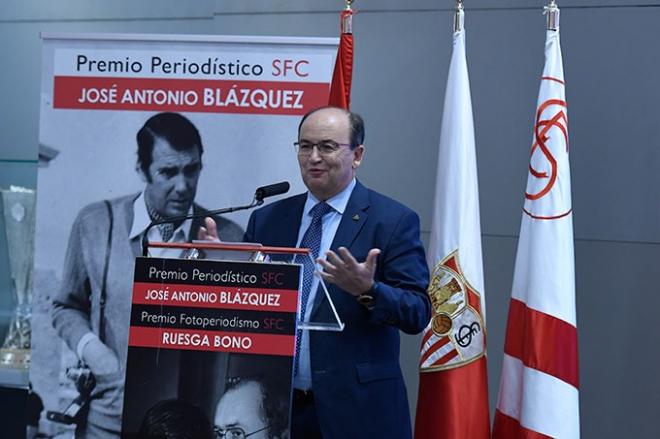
(312,241)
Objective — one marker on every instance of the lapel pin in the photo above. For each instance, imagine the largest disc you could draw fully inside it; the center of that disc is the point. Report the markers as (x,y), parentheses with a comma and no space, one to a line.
(356,217)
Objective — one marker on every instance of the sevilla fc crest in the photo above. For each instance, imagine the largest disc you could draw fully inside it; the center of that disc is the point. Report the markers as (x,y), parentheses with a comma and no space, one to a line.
(456,334)
(548,195)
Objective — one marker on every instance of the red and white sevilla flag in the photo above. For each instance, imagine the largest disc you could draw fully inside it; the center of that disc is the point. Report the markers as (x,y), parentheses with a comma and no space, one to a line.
(539,387)
(342,76)
(453,387)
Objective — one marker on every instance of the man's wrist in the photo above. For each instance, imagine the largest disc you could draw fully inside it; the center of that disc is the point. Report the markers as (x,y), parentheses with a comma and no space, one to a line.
(368,298)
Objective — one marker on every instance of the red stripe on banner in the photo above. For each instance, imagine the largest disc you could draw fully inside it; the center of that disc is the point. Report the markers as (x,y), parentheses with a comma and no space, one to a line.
(203,296)
(191,95)
(445,358)
(506,427)
(434,347)
(211,341)
(542,342)
(426,337)
(454,403)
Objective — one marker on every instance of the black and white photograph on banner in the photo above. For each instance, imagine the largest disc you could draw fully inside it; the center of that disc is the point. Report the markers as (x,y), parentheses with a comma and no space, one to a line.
(216,393)
(161,147)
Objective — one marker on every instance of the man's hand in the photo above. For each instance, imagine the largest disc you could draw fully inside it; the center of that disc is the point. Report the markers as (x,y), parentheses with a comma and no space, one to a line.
(347,273)
(100,358)
(210,232)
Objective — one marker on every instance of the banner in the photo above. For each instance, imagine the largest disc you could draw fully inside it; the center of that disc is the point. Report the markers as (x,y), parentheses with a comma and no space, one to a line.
(198,328)
(453,385)
(144,127)
(539,387)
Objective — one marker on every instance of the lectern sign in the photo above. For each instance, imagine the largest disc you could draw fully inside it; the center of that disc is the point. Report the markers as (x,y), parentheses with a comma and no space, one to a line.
(214,306)
(198,325)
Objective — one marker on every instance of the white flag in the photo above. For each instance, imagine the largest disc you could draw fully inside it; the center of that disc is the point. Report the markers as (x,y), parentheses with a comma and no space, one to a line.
(453,362)
(539,387)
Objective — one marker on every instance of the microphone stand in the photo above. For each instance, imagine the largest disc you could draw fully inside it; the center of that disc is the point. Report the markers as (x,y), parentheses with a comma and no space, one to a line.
(257,201)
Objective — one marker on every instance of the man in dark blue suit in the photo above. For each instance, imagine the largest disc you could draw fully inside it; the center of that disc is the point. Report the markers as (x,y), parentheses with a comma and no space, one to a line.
(349,384)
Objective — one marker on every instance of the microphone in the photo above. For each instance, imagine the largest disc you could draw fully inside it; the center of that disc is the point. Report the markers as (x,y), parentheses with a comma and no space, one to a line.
(259,195)
(271,190)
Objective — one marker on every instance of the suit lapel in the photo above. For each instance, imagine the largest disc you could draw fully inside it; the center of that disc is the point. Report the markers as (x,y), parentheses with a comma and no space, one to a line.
(290,219)
(353,218)
(280,227)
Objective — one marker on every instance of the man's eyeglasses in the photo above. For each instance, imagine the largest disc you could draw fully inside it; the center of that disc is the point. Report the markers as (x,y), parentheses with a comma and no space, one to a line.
(234,432)
(324,147)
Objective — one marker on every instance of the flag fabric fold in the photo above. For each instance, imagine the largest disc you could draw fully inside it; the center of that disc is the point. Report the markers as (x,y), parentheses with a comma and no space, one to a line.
(453,387)
(538,395)
(342,76)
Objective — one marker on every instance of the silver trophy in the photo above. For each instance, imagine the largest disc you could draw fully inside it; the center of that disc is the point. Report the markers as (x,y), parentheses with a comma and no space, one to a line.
(19,216)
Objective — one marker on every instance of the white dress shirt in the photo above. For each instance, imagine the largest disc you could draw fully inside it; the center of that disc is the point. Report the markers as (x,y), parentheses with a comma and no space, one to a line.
(141,221)
(330,224)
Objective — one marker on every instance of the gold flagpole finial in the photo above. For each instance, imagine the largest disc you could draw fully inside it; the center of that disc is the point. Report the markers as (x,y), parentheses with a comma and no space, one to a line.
(459,16)
(552,13)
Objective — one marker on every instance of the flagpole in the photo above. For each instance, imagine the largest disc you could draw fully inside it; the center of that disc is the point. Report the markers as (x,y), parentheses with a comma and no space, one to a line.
(552,13)
(459,16)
